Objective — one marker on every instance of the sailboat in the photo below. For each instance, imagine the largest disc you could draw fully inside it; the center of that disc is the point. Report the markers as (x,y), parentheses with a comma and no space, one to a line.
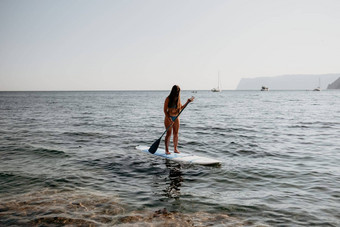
(318,88)
(218,89)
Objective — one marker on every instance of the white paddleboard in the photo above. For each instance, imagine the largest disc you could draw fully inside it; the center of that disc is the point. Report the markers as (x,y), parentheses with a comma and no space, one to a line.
(182,157)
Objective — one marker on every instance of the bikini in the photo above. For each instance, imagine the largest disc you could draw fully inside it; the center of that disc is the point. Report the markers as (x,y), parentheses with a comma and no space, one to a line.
(173,118)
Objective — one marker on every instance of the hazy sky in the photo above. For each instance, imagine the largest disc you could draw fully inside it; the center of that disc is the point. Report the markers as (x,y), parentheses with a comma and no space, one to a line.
(153,44)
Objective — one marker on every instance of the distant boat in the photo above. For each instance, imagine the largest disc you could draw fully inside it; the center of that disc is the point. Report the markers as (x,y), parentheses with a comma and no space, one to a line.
(264,88)
(218,89)
(318,88)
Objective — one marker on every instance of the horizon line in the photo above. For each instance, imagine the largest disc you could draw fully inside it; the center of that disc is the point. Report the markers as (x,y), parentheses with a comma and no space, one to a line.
(153,90)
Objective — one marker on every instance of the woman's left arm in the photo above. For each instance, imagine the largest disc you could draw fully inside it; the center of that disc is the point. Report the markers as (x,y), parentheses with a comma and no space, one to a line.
(188,101)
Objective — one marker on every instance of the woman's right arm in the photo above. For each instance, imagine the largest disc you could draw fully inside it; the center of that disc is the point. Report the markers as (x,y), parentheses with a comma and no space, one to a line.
(166,108)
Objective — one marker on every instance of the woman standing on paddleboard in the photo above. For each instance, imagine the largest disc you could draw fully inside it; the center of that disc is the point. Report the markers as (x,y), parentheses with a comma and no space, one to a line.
(172,107)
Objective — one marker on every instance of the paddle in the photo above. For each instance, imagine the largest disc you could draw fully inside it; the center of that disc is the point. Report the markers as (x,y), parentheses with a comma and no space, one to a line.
(155,145)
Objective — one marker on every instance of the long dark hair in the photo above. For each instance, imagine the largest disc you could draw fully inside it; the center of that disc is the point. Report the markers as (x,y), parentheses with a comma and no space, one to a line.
(175,97)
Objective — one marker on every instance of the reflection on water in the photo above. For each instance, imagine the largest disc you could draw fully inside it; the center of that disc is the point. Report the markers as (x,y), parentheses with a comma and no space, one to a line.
(173,190)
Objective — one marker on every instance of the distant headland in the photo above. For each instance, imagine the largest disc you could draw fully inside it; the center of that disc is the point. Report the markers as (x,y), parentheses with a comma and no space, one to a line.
(292,82)
(335,84)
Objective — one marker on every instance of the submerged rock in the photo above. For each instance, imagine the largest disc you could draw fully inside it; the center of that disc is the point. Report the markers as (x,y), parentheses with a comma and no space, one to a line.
(80,208)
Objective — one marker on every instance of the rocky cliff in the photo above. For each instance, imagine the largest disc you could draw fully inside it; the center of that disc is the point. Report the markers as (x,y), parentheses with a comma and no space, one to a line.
(335,84)
(288,82)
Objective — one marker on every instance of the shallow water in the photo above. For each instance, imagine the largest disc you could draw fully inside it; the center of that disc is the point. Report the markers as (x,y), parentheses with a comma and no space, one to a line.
(70,158)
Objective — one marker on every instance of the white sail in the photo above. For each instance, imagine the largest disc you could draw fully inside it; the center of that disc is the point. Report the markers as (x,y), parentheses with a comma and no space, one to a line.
(218,89)
(318,88)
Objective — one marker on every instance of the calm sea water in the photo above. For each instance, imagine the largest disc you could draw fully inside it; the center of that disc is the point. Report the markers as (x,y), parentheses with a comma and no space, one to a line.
(70,158)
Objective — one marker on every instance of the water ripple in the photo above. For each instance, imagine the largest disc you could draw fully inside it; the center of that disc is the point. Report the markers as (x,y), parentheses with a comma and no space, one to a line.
(279,153)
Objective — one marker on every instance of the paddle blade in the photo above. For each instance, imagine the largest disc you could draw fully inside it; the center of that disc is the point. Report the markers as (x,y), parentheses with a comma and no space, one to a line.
(154,146)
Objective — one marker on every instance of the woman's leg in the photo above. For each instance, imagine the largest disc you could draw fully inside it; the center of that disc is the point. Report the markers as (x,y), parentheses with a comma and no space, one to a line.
(167,123)
(176,129)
